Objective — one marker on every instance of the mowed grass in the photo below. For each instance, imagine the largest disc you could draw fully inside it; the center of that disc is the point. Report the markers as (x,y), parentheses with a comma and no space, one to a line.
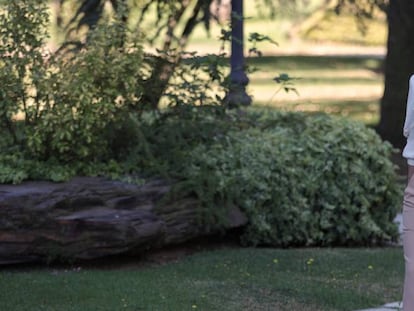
(337,68)
(344,85)
(334,29)
(350,86)
(222,279)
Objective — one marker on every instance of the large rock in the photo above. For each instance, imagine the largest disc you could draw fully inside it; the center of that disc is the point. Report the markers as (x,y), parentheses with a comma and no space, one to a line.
(88,218)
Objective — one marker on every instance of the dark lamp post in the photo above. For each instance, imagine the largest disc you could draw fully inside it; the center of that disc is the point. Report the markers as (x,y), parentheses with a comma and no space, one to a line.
(237,95)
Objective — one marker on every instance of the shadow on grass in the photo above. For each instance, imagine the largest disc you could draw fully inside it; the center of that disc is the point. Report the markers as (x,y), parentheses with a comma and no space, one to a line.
(309,62)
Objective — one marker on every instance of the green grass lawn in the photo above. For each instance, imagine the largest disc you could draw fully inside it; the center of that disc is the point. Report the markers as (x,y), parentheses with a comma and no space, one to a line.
(222,279)
(347,85)
(350,86)
(334,29)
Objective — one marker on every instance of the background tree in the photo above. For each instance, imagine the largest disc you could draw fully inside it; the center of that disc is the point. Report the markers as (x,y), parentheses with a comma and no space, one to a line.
(171,15)
(399,66)
(398,62)
(168,32)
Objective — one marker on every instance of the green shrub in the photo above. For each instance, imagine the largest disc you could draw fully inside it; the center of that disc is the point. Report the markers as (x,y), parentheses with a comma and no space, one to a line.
(301,180)
(22,63)
(166,140)
(88,93)
(63,115)
(76,113)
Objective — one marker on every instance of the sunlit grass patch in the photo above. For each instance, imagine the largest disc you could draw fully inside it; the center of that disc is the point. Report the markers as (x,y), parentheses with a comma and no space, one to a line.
(349,86)
(266,93)
(344,29)
(364,110)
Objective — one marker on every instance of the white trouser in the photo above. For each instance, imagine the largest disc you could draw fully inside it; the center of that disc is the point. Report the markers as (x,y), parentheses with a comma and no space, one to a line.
(408,241)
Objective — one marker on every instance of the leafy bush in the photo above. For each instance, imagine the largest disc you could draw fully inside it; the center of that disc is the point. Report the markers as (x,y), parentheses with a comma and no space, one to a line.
(302,180)
(62,114)
(88,93)
(22,63)
(75,114)
(67,102)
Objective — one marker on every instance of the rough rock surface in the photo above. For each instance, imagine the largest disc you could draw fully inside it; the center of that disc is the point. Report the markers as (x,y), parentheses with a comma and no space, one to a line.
(88,218)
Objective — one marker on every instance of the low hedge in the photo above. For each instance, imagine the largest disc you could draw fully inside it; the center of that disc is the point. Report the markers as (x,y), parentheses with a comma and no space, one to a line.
(302,180)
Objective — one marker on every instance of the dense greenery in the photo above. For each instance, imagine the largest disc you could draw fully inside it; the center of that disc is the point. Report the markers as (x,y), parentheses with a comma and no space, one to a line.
(65,114)
(300,179)
(56,111)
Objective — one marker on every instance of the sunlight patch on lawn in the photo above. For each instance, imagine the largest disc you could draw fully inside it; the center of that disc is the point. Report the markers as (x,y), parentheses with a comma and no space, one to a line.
(262,93)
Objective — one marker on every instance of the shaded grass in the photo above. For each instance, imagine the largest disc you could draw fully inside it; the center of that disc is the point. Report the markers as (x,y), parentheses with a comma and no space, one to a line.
(226,279)
(312,62)
(316,80)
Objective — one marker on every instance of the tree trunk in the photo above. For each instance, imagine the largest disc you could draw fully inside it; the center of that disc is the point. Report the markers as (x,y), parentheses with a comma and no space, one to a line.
(302,28)
(163,67)
(89,218)
(399,65)
(158,82)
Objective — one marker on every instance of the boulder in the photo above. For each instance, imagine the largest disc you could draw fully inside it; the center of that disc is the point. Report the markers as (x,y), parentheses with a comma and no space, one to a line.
(88,218)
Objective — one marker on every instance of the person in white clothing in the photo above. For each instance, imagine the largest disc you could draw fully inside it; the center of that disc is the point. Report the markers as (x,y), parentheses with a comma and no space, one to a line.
(408,203)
